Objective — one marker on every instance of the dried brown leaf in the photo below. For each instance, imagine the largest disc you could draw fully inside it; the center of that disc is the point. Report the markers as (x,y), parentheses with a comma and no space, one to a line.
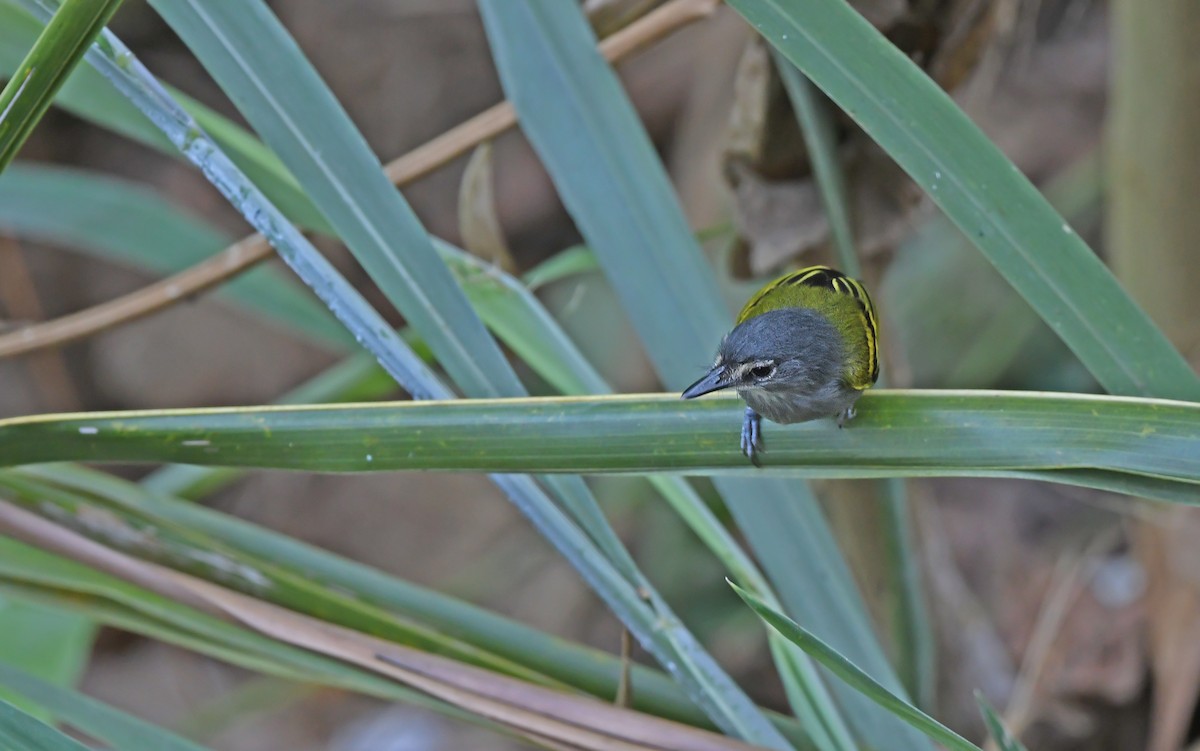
(478,222)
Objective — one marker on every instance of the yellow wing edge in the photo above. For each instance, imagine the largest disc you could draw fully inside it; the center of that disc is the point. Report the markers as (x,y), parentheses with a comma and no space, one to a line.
(831,278)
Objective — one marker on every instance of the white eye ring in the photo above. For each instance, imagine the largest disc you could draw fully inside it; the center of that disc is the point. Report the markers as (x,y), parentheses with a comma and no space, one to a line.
(761,372)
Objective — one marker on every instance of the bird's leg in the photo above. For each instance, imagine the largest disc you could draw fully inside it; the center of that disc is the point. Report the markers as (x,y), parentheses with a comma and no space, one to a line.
(752,440)
(846,415)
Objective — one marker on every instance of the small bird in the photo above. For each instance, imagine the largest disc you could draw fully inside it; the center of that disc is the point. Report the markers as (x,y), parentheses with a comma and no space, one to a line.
(804,347)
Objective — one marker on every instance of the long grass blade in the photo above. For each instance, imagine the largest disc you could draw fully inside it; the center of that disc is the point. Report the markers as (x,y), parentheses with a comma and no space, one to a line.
(853,675)
(897,432)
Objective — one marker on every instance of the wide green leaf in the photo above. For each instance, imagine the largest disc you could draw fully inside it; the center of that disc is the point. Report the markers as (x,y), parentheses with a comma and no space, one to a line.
(896,433)
(979,189)
(51,643)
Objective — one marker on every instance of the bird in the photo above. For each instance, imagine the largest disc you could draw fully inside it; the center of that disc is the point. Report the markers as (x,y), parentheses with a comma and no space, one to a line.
(804,347)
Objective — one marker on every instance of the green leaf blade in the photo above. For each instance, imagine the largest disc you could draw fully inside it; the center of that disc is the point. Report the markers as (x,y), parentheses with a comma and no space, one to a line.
(903,433)
(853,675)
(1003,739)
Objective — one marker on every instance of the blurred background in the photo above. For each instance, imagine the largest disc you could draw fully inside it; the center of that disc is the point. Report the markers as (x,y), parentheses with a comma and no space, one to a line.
(1057,602)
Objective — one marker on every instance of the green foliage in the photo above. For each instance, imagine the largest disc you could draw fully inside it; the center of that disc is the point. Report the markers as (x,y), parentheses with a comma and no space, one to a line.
(19,730)
(33,84)
(315,170)
(853,675)
(98,720)
(1004,740)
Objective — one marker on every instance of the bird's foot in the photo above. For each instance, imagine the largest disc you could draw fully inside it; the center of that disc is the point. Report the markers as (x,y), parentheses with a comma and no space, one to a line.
(752,439)
(846,415)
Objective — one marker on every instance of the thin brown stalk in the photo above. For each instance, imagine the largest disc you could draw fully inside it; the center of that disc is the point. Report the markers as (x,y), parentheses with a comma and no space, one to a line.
(138,304)
(408,168)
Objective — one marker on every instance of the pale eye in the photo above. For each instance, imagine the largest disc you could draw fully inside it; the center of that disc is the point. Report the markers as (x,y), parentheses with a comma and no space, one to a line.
(762,371)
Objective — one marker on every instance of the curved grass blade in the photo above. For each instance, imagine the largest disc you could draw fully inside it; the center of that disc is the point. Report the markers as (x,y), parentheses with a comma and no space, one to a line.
(853,675)
(57,51)
(980,191)
(577,259)
(1003,739)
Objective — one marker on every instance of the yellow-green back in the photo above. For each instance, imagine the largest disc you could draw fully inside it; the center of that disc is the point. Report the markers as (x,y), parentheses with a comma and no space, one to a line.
(844,301)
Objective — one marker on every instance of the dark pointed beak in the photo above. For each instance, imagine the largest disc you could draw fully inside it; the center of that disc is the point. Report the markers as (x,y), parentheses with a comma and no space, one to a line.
(712,381)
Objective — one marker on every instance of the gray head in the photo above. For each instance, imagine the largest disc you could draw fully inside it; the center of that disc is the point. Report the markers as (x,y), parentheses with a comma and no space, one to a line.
(790,349)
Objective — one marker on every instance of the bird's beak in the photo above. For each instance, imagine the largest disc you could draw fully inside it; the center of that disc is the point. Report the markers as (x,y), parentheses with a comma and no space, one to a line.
(714,380)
